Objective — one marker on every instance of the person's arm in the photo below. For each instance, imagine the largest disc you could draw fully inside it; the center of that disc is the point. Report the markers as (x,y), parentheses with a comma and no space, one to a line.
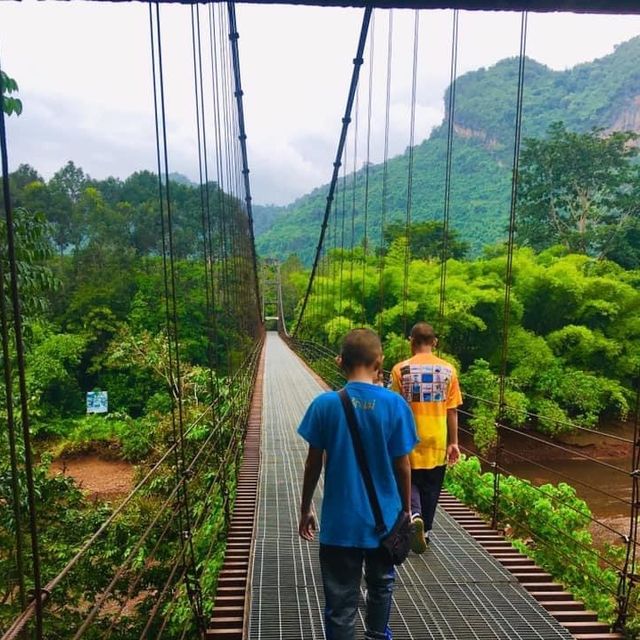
(454,400)
(402,468)
(453,450)
(312,470)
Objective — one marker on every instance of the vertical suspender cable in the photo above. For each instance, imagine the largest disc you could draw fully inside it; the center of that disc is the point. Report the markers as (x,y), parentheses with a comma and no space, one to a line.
(509,267)
(342,224)
(628,575)
(385,174)
(186,539)
(354,184)
(209,248)
(412,135)
(334,261)
(365,239)
(231,231)
(204,185)
(222,200)
(357,63)
(20,361)
(451,107)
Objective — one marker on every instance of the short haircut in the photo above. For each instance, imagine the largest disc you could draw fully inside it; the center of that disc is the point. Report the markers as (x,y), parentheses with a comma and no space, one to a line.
(423,333)
(360,348)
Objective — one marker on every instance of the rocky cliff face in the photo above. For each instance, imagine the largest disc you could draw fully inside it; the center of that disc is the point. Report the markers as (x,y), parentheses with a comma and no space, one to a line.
(467,133)
(628,119)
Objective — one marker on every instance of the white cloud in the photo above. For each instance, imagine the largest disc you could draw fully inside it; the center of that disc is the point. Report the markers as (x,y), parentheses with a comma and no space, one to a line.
(84,72)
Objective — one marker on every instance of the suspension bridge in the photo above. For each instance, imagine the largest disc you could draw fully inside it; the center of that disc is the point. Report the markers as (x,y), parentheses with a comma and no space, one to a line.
(216,552)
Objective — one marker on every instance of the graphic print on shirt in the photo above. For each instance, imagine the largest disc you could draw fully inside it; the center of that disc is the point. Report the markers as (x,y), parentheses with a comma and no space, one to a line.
(425,382)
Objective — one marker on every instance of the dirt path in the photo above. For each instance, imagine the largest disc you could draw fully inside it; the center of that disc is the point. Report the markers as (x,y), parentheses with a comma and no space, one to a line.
(101,479)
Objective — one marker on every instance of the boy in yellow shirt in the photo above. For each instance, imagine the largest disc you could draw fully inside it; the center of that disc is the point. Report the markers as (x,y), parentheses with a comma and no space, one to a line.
(430,386)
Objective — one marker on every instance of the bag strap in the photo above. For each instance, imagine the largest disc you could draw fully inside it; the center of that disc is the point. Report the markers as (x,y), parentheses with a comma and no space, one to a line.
(358,447)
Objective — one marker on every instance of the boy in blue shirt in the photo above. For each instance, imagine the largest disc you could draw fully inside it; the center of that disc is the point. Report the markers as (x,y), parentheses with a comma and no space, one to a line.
(348,537)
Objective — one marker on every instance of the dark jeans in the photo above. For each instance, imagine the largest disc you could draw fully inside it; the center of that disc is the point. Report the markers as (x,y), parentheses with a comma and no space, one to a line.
(341,577)
(426,485)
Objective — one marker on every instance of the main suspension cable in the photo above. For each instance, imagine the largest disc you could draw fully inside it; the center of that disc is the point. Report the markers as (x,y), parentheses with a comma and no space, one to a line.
(357,63)
(354,184)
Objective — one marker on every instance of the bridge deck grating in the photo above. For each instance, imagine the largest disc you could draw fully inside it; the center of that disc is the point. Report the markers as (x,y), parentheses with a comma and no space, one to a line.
(454,591)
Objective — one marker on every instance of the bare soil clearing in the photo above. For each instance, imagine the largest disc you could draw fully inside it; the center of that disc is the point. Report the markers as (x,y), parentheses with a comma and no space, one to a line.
(101,479)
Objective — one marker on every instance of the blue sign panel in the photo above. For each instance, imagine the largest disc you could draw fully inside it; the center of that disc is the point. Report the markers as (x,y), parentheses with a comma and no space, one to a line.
(97,402)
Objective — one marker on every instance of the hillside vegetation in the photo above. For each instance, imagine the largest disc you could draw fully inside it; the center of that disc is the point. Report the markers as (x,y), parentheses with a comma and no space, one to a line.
(603,93)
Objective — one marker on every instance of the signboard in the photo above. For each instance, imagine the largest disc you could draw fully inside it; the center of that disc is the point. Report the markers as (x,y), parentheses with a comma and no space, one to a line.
(97,402)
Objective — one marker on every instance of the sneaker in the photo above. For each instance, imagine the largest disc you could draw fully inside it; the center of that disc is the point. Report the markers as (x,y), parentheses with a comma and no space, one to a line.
(418,541)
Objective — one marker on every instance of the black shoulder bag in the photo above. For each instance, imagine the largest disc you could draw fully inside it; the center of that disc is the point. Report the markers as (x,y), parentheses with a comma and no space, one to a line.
(397,542)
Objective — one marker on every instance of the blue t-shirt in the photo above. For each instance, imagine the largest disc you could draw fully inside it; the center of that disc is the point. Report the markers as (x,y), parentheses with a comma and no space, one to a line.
(388,431)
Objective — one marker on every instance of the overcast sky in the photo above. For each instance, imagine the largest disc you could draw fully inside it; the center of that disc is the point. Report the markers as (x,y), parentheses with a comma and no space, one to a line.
(84,74)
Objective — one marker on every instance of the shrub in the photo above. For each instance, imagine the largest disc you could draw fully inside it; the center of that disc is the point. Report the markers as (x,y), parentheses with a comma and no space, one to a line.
(550,524)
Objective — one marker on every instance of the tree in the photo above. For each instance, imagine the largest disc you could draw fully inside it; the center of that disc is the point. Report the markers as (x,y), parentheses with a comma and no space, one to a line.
(70,180)
(427,240)
(9,86)
(35,278)
(579,190)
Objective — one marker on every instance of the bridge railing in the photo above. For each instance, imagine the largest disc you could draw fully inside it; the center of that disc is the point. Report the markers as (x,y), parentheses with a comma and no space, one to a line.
(147,586)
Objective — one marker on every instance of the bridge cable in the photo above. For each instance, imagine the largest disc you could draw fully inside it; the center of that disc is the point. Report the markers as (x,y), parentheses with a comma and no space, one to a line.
(222,25)
(203,173)
(248,253)
(222,198)
(448,169)
(18,339)
(208,230)
(354,184)
(412,135)
(231,209)
(628,575)
(509,266)
(194,591)
(385,175)
(365,240)
(343,212)
(235,165)
(11,422)
(357,63)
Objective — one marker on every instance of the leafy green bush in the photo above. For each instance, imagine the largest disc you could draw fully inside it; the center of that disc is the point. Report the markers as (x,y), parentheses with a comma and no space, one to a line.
(114,435)
(548,523)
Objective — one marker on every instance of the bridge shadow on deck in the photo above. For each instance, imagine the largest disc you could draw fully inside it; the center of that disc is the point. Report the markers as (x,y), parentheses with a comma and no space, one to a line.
(454,591)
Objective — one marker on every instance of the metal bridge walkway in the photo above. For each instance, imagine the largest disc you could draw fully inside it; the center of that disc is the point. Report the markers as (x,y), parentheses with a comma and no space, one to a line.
(454,591)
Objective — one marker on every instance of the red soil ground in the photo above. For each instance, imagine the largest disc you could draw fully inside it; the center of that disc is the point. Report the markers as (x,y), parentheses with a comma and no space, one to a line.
(101,479)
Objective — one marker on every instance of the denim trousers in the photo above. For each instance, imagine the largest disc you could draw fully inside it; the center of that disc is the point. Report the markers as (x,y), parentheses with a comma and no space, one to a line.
(426,485)
(341,577)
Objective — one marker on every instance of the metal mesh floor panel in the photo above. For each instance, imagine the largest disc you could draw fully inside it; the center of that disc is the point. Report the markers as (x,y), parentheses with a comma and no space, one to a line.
(455,591)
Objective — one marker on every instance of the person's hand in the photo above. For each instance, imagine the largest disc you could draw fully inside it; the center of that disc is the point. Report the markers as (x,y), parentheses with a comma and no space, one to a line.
(453,453)
(307,526)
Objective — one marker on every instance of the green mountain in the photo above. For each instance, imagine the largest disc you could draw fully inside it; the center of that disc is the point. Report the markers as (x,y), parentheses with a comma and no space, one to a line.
(603,93)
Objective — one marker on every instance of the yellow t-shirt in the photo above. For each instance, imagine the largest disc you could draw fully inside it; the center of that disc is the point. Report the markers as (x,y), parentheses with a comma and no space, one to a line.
(430,385)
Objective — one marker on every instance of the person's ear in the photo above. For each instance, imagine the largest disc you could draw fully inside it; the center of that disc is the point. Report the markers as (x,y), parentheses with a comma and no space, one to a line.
(339,361)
